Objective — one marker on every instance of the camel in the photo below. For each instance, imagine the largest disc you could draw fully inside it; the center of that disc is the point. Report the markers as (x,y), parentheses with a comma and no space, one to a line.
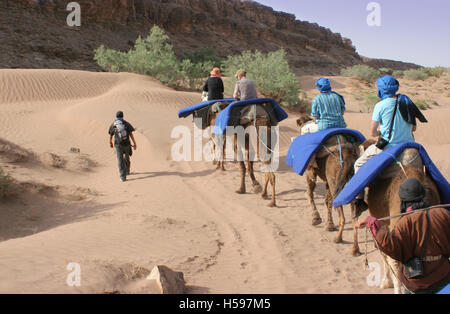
(213,112)
(262,122)
(326,165)
(383,201)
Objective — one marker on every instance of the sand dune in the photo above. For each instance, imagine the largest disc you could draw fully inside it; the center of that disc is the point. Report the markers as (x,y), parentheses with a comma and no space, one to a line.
(181,214)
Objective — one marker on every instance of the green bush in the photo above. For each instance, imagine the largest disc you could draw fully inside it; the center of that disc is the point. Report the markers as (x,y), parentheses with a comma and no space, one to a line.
(398,73)
(415,75)
(362,72)
(271,73)
(154,56)
(436,71)
(203,55)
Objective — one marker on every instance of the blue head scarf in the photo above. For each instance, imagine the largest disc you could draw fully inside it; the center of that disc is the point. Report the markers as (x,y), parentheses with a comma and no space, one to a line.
(323,85)
(387,87)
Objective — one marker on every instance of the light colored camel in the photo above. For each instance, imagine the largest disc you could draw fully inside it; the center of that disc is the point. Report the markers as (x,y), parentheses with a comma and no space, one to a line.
(326,164)
(262,124)
(384,201)
(213,112)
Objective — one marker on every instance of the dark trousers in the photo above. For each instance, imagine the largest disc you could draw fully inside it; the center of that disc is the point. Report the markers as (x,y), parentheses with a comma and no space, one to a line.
(123,157)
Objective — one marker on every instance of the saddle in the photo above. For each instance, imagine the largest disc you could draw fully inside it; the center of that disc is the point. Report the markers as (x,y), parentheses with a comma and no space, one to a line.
(410,158)
(331,146)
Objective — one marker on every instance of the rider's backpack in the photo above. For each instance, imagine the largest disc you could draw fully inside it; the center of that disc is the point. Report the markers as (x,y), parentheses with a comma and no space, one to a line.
(121,132)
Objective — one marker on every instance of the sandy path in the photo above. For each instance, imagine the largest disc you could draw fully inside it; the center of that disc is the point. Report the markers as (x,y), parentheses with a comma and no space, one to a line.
(182,214)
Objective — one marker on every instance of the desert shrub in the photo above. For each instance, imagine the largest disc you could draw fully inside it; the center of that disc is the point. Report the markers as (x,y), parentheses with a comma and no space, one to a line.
(6,182)
(203,55)
(154,56)
(422,104)
(385,71)
(436,71)
(369,102)
(271,73)
(362,72)
(415,75)
(398,73)
(192,74)
(111,60)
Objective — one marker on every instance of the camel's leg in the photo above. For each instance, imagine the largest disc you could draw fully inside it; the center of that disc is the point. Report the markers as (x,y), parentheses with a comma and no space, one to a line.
(340,211)
(271,176)
(355,250)
(256,186)
(213,149)
(266,183)
(395,270)
(242,170)
(386,283)
(223,157)
(328,201)
(311,179)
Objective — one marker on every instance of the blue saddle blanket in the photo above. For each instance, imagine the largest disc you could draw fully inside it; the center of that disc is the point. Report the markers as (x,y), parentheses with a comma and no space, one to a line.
(185,112)
(304,146)
(445,290)
(375,165)
(223,118)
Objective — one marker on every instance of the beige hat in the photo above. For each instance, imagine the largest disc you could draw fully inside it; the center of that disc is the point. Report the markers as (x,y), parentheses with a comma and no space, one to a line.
(241,72)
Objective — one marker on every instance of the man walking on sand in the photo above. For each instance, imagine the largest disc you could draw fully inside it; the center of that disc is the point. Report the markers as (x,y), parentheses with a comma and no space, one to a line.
(122,132)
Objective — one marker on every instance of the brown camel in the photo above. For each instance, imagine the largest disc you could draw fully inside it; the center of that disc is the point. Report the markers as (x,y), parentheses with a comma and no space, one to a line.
(326,164)
(262,124)
(384,201)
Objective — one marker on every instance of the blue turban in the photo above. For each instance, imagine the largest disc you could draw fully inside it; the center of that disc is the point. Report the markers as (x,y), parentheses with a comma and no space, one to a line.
(387,87)
(323,85)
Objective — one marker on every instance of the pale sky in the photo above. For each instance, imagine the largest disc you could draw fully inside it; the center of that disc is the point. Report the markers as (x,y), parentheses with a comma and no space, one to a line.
(415,31)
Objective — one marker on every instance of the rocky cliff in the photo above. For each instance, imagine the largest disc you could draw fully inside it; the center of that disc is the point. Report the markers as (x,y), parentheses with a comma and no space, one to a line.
(34,33)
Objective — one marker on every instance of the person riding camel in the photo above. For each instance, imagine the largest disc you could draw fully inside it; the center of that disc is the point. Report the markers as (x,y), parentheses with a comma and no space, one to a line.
(393,122)
(327,109)
(214,85)
(245,88)
(419,240)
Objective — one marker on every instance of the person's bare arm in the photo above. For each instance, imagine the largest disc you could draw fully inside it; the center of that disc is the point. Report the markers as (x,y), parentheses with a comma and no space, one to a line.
(134,141)
(110,141)
(374,129)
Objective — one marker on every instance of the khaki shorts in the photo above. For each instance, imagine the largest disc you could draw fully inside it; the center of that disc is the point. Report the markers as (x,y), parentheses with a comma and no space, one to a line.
(371,151)
(310,127)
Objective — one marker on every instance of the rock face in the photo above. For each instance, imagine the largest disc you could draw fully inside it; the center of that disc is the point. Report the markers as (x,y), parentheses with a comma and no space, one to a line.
(35,32)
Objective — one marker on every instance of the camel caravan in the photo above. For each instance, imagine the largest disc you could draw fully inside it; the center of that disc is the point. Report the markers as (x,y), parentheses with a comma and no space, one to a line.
(343,158)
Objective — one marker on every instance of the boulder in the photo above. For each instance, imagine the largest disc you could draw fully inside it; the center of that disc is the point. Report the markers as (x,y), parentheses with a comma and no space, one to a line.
(167,280)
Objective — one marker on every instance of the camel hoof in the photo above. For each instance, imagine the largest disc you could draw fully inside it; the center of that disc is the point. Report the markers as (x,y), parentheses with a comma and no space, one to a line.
(257,188)
(356,252)
(386,284)
(330,227)
(338,240)
(272,204)
(240,191)
(316,221)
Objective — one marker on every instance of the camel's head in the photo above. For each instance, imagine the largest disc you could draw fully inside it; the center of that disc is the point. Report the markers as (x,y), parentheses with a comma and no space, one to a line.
(302,120)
